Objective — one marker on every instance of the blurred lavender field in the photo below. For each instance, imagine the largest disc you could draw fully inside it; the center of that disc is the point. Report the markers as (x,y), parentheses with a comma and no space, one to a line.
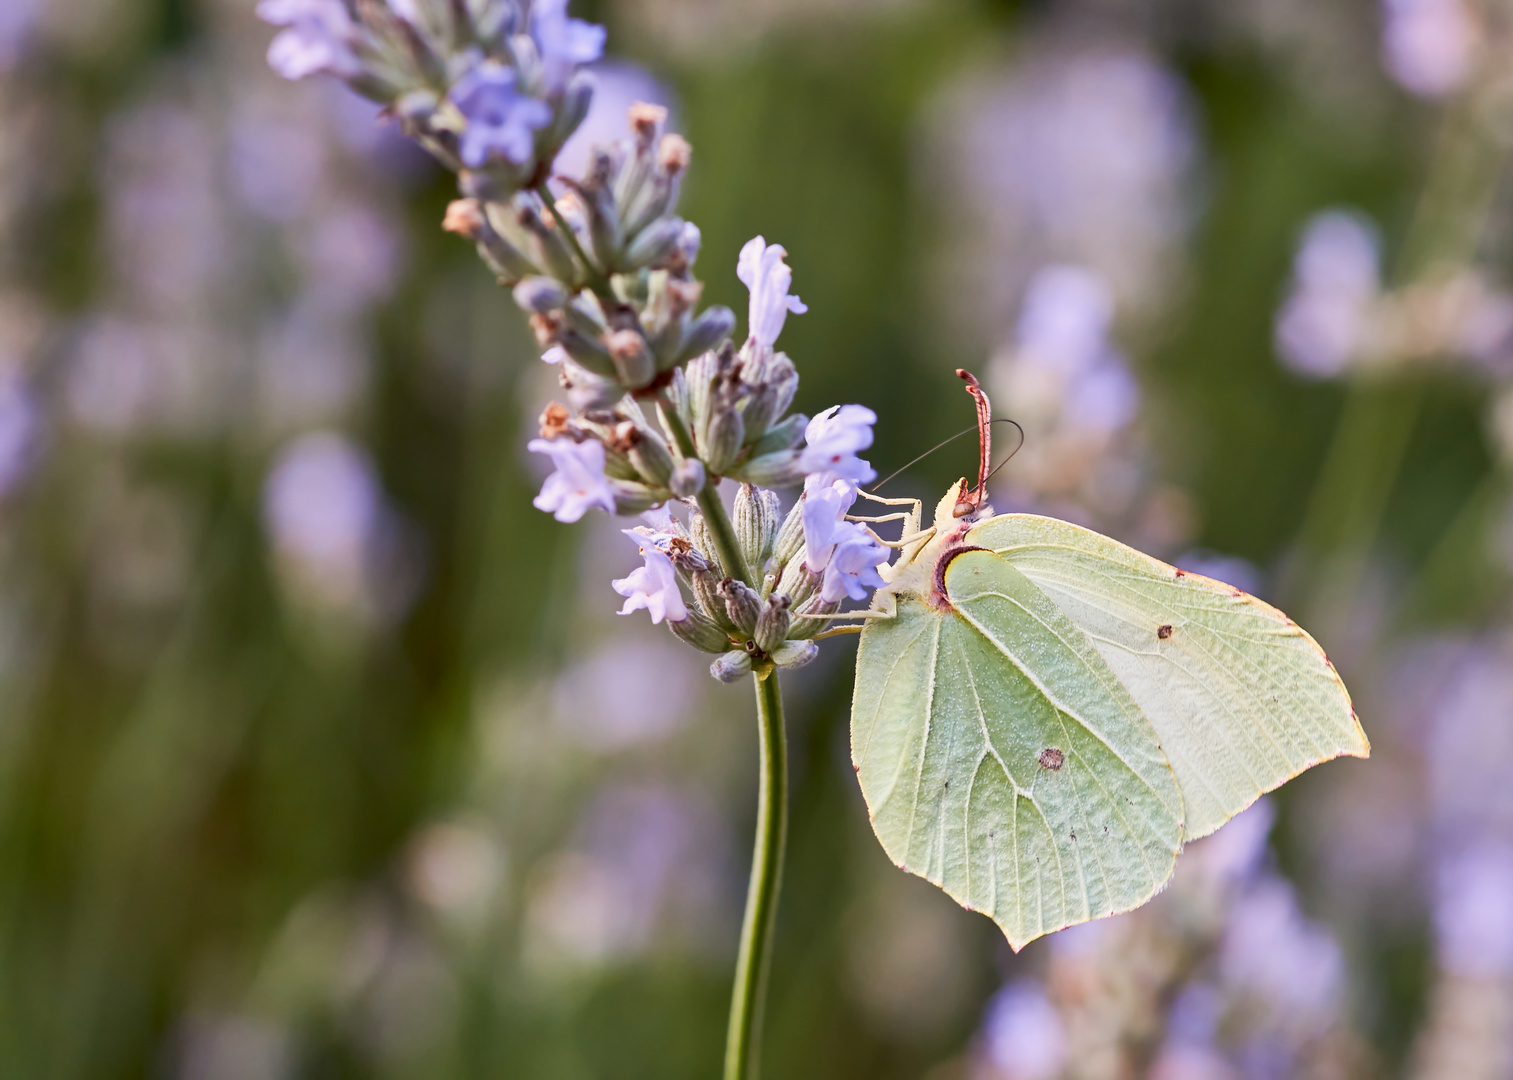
(323,754)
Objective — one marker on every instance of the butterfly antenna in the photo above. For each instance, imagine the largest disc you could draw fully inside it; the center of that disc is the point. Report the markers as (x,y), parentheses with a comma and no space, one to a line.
(974,499)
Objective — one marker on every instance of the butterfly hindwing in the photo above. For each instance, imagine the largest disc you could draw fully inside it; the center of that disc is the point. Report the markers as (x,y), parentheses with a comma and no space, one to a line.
(1002,758)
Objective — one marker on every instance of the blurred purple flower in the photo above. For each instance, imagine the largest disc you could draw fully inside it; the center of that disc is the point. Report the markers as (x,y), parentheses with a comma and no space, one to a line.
(1023,1037)
(1272,948)
(20,431)
(563,42)
(852,567)
(1429,46)
(500,119)
(579,482)
(654,586)
(832,439)
(762,270)
(17,18)
(1064,327)
(1473,911)
(1335,279)
(322,504)
(317,37)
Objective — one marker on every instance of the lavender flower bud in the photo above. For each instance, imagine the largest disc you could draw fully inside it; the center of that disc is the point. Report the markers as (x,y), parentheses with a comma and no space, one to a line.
(587,351)
(772,470)
(798,582)
(732,667)
(714,325)
(649,454)
(688,478)
(634,498)
(699,632)
(772,623)
(790,538)
(466,217)
(632,357)
(742,605)
(585,390)
(721,445)
(782,436)
(654,244)
(804,629)
(585,315)
(575,102)
(551,249)
(540,294)
(756,523)
(604,230)
(795,654)
(705,586)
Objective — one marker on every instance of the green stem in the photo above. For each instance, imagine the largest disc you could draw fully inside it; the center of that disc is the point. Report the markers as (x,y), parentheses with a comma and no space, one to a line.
(743,1037)
(708,499)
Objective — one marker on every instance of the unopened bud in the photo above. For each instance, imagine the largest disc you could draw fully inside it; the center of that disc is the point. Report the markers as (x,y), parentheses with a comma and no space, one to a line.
(632,357)
(789,543)
(705,586)
(699,632)
(732,667)
(707,331)
(686,251)
(417,106)
(465,218)
(795,654)
(651,458)
(673,154)
(806,628)
(785,435)
(772,623)
(742,605)
(772,470)
(655,244)
(756,523)
(552,251)
(688,478)
(634,498)
(570,114)
(646,120)
(540,295)
(721,445)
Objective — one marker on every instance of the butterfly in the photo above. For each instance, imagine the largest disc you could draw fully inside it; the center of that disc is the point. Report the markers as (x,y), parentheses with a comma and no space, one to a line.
(1043,716)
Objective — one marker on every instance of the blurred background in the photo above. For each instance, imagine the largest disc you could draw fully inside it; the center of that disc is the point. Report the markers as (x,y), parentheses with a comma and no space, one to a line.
(323,754)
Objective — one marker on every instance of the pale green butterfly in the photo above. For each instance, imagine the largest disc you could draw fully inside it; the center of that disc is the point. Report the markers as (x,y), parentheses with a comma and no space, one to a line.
(1043,716)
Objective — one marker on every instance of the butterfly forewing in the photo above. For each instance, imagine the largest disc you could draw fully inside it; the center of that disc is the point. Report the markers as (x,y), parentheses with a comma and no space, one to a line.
(1241,698)
(1002,759)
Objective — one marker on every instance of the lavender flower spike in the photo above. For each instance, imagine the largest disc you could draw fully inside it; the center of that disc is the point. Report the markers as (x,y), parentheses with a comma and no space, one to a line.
(832,440)
(500,119)
(653,586)
(579,482)
(563,43)
(852,568)
(762,270)
(317,38)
